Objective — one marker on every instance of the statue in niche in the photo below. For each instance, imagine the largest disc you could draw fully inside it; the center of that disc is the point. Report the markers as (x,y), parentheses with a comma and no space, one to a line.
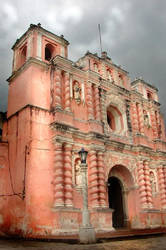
(152,182)
(109,76)
(78,175)
(146,119)
(77,93)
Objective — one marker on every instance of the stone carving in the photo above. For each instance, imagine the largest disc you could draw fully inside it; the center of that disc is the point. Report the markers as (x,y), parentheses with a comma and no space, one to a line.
(77,92)
(153,182)
(146,119)
(78,175)
(109,76)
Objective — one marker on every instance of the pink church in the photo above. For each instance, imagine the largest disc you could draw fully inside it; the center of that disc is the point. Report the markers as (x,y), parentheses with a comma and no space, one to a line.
(55,108)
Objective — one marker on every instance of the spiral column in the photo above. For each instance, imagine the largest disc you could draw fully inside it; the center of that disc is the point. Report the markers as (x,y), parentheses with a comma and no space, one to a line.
(148,184)
(162,186)
(67,91)
(58,89)
(90,101)
(101,180)
(68,190)
(58,176)
(97,103)
(93,180)
(140,118)
(142,185)
(135,117)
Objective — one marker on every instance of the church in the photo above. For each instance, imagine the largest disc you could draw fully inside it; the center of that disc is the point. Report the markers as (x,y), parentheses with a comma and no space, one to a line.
(55,108)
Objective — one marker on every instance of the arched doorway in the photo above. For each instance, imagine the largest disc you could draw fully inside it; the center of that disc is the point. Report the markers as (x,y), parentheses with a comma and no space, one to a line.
(116,202)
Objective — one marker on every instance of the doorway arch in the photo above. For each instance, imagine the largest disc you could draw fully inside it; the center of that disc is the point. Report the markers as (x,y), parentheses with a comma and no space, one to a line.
(115,197)
(121,192)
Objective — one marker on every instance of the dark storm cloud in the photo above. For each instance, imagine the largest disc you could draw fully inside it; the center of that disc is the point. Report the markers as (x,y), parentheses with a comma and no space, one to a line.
(133,32)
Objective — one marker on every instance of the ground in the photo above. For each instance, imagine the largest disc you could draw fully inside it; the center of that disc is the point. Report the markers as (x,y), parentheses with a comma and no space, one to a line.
(143,243)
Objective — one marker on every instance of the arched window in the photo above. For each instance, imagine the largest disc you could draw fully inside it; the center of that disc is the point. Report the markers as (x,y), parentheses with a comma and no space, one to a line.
(149,95)
(120,79)
(49,49)
(114,119)
(96,67)
(23,55)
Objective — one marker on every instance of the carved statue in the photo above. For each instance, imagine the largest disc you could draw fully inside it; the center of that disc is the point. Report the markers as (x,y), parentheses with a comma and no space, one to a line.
(78,176)
(146,119)
(153,182)
(77,92)
(109,76)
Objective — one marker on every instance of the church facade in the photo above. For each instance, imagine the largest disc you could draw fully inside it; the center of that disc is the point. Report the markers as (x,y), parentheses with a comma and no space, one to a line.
(55,108)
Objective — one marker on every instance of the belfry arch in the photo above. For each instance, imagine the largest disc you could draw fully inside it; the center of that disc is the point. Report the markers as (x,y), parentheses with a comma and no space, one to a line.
(120,196)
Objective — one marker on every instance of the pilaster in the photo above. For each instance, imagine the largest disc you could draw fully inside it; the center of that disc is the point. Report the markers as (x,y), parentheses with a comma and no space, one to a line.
(135,117)
(97,103)
(90,102)
(140,118)
(58,90)
(67,91)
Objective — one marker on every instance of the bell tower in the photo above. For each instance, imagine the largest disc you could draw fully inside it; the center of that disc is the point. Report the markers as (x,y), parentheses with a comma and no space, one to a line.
(29,83)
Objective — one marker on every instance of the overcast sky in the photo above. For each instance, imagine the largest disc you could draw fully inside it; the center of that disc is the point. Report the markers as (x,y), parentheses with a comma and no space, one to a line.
(133,33)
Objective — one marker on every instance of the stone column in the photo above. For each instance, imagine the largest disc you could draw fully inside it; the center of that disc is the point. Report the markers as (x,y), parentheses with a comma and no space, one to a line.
(58,89)
(101,180)
(97,103)
(90,102)
(135,117)
(67,91)
(58,176)
(104,110)
(148,184)
(153,122)
(162,186)
(93,180)
(142,184)
(68,190)
(140,118)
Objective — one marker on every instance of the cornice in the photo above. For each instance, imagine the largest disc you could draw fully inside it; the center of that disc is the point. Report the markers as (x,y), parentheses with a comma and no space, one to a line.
(25,65)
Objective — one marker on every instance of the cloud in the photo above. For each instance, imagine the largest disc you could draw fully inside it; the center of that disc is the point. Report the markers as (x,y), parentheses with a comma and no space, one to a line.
(132,33)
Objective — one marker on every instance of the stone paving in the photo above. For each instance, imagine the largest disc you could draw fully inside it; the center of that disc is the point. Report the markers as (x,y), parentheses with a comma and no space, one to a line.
(146,243)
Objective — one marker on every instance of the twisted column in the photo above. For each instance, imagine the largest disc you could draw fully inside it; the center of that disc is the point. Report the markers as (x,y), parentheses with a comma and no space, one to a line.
(162,186)
(142,184)
(67,91)
(135,117)
(101,180)
(140,118)
(58,176)
(68,190)
(154,124)
(97,103)
(93,180)
(148,184)
(90,102)
(58,89)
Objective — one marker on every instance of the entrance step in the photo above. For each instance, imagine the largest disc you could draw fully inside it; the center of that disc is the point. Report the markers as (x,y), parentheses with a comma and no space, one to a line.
(121,233)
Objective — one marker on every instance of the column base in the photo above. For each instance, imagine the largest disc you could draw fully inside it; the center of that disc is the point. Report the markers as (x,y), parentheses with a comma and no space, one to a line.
(87,235)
